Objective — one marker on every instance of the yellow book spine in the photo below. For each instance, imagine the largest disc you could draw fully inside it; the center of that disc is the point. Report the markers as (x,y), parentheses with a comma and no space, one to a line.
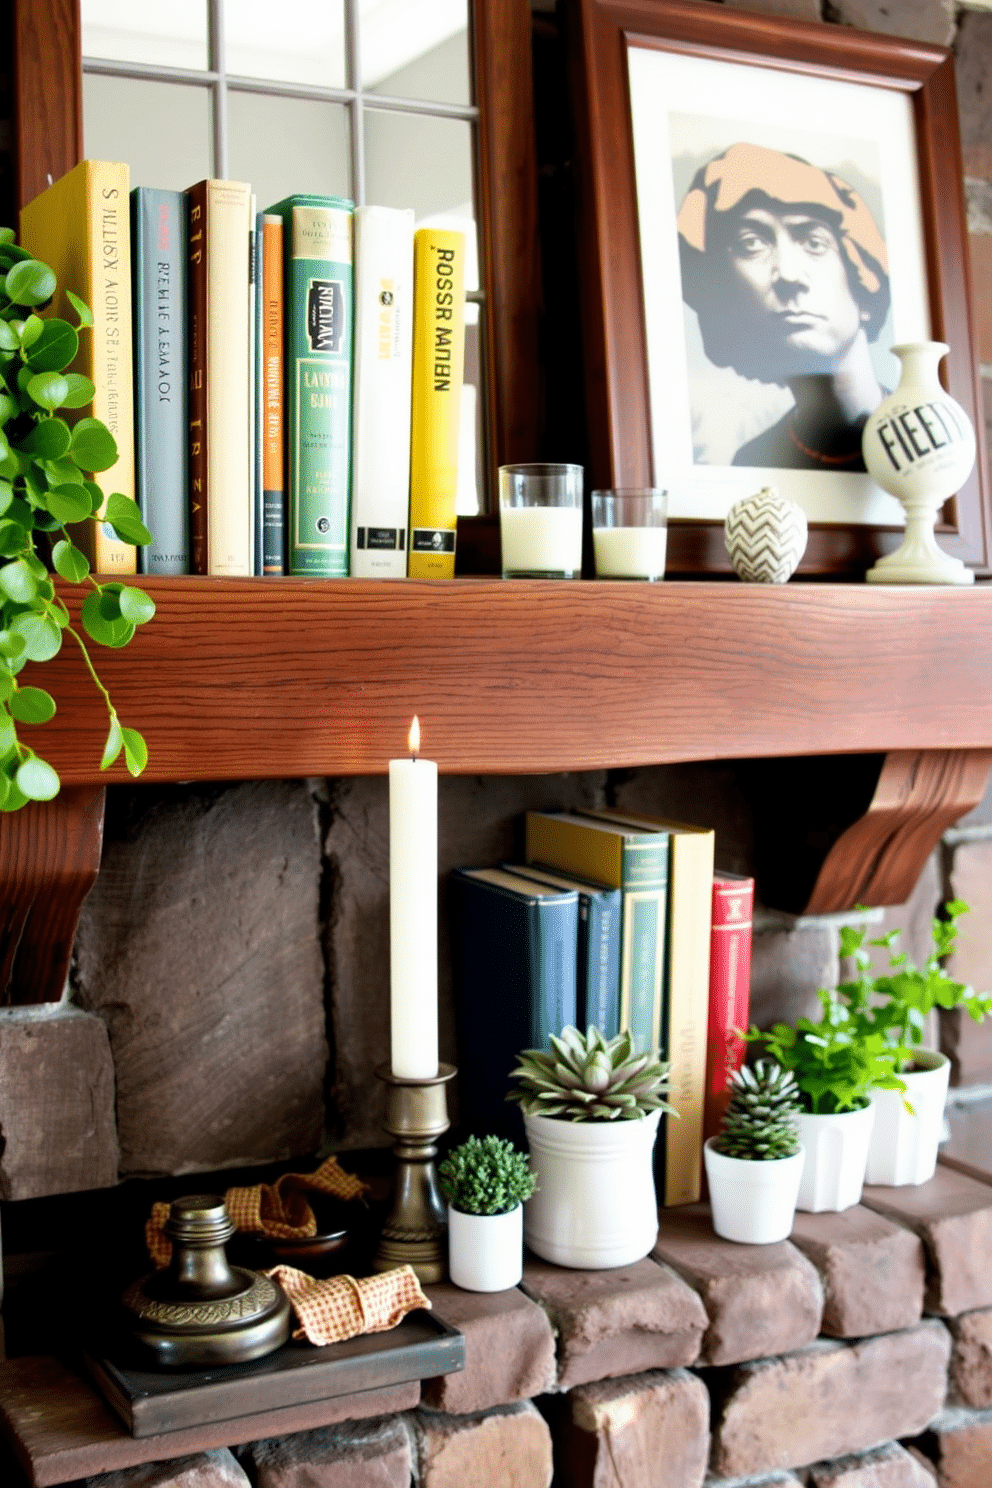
(690,919)
(80,227)
(229,394)
(438,373)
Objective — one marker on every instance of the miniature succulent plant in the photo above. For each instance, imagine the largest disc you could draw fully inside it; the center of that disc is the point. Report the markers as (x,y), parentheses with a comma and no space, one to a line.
(759,1123)
(486,1175)
(587,1077)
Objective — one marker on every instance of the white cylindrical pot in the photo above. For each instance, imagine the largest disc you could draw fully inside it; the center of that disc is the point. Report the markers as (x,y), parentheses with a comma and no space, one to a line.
(753,1202)
(595,1204)
(903,1147)
(836,1156)
(486,1251)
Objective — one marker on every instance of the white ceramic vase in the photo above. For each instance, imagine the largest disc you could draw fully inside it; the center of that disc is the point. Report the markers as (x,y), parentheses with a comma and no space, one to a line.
(765,536)
(486,1251)
(595,1205)
(919,445)
(753,1203)
(903,1146)
(836,1157)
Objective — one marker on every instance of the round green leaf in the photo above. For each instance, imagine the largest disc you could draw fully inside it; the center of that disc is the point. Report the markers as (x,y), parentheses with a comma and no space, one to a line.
(55,346)
(11,645)
(18,582)
(114,744)
(81,308)
(106,632)
(70,562)
(93,446)
(32,705)
(9,339)
(49,439)
(95,494)
(136,605)
(30,283)
(41,636)
(7,236)
(81,390)
(33,328)
(6,682)
(135,750)
(124,516)
(8,407)
(37,780)
(68,503)
(6,495)
(12,538)
(62,472)
(47,389)
(14,798)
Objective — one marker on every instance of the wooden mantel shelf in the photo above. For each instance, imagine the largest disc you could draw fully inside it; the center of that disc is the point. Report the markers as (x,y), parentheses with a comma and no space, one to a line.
(249,678)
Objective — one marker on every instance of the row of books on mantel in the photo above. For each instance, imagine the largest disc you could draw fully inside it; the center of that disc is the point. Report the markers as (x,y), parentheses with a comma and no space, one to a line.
(615,920)
(284,386)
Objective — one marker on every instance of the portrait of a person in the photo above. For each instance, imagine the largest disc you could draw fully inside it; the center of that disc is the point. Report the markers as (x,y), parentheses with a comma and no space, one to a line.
(787,271)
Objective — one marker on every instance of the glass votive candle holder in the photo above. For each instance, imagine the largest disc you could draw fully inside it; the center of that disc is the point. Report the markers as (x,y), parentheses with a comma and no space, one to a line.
(540,521)
(630,533)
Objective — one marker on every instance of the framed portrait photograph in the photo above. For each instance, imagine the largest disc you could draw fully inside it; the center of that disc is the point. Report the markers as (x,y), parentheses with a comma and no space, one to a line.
(767,208)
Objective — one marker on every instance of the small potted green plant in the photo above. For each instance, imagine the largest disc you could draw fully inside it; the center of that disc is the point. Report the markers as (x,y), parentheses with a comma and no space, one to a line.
(485,1182)
(896,1006)
(755,1164)
(836,1064)
(46,490)
(591,1110)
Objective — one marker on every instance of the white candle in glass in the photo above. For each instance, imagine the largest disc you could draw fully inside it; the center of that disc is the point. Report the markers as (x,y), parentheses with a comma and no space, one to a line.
(629,552)
(413,913)
(541,539)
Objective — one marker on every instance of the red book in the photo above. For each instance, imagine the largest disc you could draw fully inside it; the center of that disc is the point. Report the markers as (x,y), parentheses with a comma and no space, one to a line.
(730,987)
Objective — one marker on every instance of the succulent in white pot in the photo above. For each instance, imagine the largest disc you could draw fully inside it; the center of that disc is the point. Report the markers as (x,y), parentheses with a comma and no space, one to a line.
(485,1182)
(591,1110)
(754,1165)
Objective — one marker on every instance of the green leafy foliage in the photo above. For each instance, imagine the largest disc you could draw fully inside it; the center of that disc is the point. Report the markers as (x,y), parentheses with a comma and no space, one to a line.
(587,1077)
(759,1124)
(485,1175)
(46,462)
(896,1004)
(836,1063)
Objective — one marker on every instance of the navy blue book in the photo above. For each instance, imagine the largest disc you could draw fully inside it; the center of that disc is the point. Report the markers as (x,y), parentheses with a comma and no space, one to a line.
(158,258)
(515,946)
(598,970)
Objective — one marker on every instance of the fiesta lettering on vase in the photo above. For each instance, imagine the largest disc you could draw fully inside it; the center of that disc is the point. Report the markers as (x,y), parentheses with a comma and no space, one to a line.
(914,433)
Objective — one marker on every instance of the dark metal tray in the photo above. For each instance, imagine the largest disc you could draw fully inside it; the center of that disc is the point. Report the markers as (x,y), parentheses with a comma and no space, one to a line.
(420,1347)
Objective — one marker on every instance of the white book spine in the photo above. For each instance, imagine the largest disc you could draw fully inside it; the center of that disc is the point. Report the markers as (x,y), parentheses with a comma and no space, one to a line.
(383,369)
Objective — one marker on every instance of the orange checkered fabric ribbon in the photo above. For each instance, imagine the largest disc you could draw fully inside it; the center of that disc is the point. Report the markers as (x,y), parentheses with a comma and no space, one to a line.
(278,1210)
(341,1307)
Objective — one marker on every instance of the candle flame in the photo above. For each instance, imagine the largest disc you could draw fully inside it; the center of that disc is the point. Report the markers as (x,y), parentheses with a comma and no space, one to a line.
(413,737)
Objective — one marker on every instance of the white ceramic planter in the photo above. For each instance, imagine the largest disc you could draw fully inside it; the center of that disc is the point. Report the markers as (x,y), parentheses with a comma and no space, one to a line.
(595,1204)
(903,1147)
(753,1203)
(836,1156)
(486,1251)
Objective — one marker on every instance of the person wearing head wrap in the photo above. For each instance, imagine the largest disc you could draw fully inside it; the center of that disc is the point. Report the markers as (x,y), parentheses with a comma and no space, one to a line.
(788,274)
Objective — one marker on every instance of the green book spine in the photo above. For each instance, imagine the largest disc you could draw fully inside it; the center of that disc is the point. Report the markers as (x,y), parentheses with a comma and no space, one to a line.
(319,334)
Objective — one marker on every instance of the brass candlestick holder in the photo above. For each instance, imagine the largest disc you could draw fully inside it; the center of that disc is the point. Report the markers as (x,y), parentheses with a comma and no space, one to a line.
(416,1231)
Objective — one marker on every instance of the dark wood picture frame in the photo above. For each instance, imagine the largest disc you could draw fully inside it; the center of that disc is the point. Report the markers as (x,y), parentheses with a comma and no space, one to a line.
(617,393)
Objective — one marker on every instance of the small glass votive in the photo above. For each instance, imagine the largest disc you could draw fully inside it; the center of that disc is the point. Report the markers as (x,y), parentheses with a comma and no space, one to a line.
(629,533)
(540,521)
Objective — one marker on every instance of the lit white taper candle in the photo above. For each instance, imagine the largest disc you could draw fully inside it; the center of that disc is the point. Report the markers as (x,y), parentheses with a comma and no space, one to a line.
(413,912)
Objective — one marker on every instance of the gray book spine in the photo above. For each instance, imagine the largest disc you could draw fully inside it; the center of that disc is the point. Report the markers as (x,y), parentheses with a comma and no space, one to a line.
(158,229)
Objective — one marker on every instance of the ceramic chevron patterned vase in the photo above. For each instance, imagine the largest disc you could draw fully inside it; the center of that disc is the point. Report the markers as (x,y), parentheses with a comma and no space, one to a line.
(766,537)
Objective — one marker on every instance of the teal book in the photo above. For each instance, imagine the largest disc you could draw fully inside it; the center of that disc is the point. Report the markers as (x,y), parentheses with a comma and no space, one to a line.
(597,998)
(158,267)
(636,863)
(319,316)
(514,971)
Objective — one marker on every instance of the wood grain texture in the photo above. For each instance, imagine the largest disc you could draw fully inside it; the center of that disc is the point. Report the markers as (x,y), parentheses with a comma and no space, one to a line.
(920,793)
(49,860)
(617,402)
(48,112)
(507,207)
(246,678)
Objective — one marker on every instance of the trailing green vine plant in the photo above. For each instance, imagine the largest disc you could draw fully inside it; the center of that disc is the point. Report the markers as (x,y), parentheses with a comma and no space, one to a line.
(46,466)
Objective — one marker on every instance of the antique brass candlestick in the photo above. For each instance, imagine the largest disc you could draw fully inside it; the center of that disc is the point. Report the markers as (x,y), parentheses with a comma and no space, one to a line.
(416,1231)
